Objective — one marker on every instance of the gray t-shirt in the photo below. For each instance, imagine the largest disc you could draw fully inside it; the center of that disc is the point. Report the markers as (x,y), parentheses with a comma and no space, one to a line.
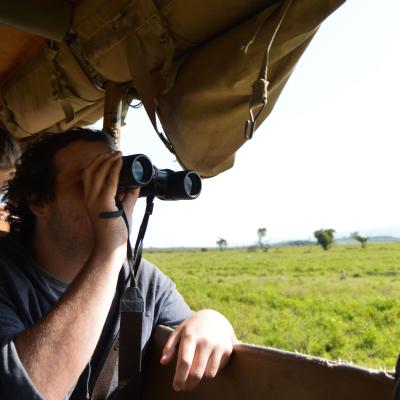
(27,294)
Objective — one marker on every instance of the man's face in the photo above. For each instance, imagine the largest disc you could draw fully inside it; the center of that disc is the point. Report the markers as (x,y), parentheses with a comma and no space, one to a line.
(68,221)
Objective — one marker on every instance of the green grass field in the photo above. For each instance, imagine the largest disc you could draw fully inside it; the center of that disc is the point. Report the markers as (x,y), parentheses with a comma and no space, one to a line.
(338,304)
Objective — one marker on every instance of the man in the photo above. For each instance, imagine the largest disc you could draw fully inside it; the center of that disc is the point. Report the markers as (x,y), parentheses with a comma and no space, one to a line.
(61,278)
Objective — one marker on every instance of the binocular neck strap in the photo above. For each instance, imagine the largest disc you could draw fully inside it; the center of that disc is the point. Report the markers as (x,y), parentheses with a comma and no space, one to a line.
(135,258)
(131,314)
(142,231)
(126,347)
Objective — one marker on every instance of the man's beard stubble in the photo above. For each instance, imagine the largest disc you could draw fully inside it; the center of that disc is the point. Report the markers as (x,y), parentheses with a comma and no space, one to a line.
(72,234)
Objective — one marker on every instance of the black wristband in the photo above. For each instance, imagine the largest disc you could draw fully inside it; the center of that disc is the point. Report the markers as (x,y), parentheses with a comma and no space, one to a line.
(111,214)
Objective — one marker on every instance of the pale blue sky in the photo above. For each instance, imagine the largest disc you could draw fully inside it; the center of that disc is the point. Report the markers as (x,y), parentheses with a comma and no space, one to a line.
(326,157)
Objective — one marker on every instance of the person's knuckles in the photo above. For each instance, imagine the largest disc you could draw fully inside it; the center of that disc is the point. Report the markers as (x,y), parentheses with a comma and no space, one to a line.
(206,343)
(103,169)
(196,374)
(167,352)
(185,362)
(189,335)
(97,161)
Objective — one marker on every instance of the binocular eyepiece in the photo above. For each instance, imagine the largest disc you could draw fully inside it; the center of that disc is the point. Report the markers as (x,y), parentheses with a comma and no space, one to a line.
(138,171)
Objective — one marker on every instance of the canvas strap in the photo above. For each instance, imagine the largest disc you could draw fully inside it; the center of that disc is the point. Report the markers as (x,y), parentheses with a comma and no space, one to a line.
(132,311)
(143,83)
(130,341)
(259,97)
(103,383)
(123,29)
(136,60)
(59,91)
(126,346)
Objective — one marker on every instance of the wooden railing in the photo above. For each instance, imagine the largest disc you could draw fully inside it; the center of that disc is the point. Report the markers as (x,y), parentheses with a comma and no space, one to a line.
(262,373)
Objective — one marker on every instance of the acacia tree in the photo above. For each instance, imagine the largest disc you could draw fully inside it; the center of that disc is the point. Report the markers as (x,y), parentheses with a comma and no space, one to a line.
(221,243)
(362,239)
(325,237)
(261,233)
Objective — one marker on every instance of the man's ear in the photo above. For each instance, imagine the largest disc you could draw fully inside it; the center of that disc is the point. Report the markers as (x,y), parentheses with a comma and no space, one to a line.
(38,207)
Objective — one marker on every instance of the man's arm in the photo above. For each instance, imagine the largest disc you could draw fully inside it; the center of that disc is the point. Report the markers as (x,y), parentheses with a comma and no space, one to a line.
(202,341)
(55,351)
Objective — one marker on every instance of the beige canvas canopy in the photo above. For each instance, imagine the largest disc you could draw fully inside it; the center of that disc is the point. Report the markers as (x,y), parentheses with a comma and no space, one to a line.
(212,72)
(167,53)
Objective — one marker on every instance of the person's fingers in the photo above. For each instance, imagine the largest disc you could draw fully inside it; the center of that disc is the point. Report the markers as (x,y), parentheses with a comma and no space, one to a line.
(101,183)
(225,359)
(111,177)
(202,355)
(96,161)
(171,346)
(215,362)
(186,353)
(87,176)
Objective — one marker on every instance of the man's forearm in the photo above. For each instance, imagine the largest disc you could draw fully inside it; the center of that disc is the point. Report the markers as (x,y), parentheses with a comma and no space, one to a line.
(55,350)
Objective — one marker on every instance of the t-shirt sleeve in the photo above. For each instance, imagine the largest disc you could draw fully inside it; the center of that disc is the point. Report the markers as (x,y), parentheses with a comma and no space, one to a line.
(173,308)
(164,304)
(15,382)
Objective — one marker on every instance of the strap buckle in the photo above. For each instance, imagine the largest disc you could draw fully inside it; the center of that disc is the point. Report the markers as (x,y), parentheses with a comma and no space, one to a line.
(257,104)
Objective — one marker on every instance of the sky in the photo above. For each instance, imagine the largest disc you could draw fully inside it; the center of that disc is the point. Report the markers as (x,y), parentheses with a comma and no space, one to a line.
(326,157)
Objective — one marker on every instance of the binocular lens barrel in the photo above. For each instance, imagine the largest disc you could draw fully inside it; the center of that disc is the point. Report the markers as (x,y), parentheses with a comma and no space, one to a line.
(193,184)
(138,171)
(185,184)
(170,185)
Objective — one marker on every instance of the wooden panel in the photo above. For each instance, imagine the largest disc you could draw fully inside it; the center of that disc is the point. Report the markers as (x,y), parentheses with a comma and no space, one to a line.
(267,374)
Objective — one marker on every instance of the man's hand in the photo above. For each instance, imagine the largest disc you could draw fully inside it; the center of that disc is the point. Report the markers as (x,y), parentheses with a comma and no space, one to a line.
(204,343)
(100,181)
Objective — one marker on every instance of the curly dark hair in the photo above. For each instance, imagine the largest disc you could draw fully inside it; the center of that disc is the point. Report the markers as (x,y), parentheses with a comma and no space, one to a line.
(9,150)
(35,175)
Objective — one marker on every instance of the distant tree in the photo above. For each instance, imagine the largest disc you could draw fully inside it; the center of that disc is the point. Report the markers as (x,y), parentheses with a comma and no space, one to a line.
(261,233)
(362,239)
(325,237)
(221,243)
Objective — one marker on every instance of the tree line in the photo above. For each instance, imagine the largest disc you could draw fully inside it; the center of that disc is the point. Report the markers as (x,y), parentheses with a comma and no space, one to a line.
(325,238)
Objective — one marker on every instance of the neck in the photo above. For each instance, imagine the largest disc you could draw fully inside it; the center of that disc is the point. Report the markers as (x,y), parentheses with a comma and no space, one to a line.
(55,259)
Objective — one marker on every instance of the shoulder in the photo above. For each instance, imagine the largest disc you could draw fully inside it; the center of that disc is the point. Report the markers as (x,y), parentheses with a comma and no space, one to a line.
(14,263)
(12,249)
(163,302)
(149,277)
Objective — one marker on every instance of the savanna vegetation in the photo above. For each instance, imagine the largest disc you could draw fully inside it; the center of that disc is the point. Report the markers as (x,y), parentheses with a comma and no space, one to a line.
(341,304)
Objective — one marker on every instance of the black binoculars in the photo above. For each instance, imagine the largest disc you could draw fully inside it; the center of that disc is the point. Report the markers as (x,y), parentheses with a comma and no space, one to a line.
(138,172)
